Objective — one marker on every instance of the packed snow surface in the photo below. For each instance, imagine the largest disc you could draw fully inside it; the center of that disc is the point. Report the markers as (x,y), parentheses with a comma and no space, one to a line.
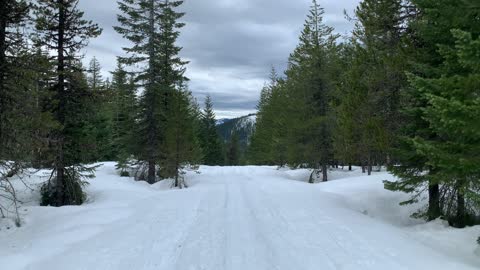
(234,218)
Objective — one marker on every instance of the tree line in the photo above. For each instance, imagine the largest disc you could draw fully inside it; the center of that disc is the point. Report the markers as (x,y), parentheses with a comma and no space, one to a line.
(401,91)
(57,114)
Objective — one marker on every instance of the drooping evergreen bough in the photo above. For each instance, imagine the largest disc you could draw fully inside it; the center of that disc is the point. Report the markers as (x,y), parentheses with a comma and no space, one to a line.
(62,30)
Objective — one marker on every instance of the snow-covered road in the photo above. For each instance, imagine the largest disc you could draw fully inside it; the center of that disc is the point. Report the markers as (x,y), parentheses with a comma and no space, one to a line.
(232,218)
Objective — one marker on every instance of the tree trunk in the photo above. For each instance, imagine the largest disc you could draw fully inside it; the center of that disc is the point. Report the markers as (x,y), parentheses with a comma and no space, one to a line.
(350,166)
(177,160)
(461,211)
(60,162)
(151,172)
(324,172)
(59,185)
(151,178)
(369,165)
(311,180)
(3,40)
(433,202)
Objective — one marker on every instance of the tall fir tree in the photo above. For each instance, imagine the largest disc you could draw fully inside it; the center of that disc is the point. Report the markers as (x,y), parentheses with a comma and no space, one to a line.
(439,74)
(125,110)
(310,84)
(62,29)
(181,146)
(100,124)
(23,76)
(12,15)
(209,138)
(95,79)
(152,26)
(268,143)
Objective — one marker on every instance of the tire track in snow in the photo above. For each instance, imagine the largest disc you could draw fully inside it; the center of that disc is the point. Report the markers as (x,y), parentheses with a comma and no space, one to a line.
(297,246)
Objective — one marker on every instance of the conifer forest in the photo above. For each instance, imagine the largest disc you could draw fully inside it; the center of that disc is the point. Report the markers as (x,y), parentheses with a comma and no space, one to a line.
(360,151)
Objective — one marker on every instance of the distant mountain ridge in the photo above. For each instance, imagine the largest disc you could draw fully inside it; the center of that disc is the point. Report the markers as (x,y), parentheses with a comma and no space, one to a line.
(223,120)
(244,127)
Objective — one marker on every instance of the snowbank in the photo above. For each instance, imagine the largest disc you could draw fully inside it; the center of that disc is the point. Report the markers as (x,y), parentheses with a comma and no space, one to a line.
(233,218)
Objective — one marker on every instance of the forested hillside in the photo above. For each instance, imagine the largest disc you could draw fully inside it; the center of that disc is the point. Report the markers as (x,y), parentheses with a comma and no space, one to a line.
(243,127)
(401,91)
(388,107)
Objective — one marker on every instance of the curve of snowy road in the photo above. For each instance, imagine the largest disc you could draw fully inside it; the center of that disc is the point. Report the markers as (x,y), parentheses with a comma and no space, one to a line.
(231,218)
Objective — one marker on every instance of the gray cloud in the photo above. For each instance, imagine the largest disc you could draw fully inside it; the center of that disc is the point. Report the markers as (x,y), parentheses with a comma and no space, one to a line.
(231,44)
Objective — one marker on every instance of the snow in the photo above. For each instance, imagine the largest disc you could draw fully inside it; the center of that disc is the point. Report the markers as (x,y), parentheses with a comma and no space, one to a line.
(222,121)
(234,218)
(247,121)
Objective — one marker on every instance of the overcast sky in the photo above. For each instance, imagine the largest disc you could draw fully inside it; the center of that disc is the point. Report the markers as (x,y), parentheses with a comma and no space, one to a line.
(231,44)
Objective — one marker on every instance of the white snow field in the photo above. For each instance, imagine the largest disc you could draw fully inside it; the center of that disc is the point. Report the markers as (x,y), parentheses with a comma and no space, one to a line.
(234,218)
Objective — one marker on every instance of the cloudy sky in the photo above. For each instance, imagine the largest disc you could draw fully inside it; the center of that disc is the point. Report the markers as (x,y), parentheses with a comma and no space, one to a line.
(231,44)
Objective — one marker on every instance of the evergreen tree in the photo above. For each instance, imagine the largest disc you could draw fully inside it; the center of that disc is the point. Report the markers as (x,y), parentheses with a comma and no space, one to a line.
(268,143)
(100,125)
(309,79)
(439,76)
(379,46)
(23,75)
(12,16)
(181,145)
(62,30)
(233,151)
(209,139)
(350,108)
(95,80)
(152,26)
(124,114)
(453,112)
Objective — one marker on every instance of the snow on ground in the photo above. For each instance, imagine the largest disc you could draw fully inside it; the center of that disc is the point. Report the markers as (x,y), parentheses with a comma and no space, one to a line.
(234,218)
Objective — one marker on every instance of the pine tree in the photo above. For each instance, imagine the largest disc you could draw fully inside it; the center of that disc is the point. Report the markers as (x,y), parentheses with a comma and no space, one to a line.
(12,16)
(95,79)
(452,113)
(350,108)
(62,30)
(310,83)
(438,76)
(181,147)
(152,26)
(379,34)
(209,139)
(124,113)
(100,125)
(23,73)
(233,151)
(268,142)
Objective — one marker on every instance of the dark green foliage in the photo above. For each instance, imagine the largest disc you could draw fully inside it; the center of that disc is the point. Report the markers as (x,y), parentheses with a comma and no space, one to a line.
(61,28)
(232,157)
(181,147)
(296,118)
(152,26)
(244,128)
(74,194)
(310,86)
(101,111)
(439,149)
(23,74)
(123,117)
(209,138)
(268,143)
(13,55)
(368,113)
